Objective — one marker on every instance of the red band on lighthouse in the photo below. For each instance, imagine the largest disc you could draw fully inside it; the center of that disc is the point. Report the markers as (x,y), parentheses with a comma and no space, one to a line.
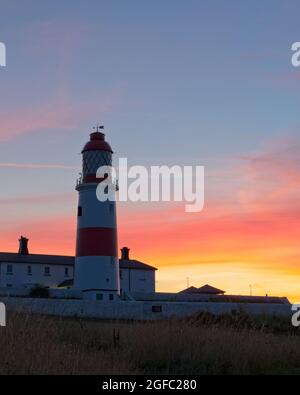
(96,242)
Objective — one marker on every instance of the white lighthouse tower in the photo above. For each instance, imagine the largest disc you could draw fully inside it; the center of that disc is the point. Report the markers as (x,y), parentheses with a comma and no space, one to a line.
(96,261)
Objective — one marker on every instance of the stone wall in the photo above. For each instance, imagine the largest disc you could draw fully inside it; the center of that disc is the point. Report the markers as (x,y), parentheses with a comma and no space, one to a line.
(135,310)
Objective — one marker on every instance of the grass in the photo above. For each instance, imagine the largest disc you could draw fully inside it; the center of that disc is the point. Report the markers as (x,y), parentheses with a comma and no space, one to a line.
(200,344)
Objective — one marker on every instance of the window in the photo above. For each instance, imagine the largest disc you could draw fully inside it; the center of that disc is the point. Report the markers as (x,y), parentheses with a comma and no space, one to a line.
(29,271)
(79,213)
(9,269)
(66,272)
(47,271)
(99,296)
(156,309)
(111,296)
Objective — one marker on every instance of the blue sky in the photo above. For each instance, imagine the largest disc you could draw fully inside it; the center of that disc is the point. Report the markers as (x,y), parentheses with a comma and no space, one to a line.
(173,81)
(159,75)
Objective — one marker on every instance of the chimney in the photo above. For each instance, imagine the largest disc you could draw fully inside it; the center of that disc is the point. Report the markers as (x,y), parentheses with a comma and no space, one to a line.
(23,246)
(125,253)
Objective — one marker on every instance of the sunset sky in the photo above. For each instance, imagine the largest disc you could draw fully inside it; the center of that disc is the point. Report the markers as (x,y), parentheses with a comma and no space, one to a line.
(176,82)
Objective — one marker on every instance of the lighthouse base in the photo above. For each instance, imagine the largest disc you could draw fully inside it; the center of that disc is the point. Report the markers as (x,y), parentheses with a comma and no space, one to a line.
(97,277)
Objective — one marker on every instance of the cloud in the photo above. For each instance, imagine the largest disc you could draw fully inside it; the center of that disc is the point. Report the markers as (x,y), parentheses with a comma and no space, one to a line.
(48,235)
(56,46)
(56,39)
(240,237)
(257,224)
(272,176)
(61,111)
(31,119)
(285,80)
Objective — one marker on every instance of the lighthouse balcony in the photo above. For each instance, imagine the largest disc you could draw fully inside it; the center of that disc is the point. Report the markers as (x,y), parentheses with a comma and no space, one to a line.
(92,179)
(79,181)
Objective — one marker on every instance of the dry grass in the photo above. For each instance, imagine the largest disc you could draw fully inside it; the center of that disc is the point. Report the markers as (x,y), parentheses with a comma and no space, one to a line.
(203,344)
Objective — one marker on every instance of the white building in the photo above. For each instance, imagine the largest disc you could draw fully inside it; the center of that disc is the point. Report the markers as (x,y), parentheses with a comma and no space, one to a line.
(135,276)
(22,269)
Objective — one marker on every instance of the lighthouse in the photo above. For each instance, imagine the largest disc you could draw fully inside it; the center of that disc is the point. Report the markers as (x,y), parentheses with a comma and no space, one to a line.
(96,261)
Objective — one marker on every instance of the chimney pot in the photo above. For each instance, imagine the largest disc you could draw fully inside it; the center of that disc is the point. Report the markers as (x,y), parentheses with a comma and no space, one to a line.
(125,253)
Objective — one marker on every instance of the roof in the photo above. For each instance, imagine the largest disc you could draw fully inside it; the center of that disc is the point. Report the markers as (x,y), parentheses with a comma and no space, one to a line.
(37,259)
(190,290)
(133,264)
(206,289)
(97,143)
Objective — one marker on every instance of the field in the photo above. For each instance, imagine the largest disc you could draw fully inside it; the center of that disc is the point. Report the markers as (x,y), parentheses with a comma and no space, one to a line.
(201,344)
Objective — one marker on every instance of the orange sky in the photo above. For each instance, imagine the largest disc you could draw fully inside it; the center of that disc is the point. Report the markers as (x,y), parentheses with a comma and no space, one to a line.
(247,234)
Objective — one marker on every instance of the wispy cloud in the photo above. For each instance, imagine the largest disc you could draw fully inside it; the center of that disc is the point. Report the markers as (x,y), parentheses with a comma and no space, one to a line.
(48,235)
(257,224)
(58,43)
(61,112)
(272,176)
(37,166)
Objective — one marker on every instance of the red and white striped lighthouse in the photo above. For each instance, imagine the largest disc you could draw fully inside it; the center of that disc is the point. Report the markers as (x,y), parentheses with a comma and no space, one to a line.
(96,262)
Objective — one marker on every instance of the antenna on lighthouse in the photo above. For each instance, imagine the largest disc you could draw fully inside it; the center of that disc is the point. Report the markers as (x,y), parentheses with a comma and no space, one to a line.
(98,127)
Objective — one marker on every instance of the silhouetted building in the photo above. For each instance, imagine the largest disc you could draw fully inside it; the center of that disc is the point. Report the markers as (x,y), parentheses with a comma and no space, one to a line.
(206,289)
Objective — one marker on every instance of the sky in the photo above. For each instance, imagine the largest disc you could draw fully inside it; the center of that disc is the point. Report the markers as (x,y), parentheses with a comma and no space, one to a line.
(174,82)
